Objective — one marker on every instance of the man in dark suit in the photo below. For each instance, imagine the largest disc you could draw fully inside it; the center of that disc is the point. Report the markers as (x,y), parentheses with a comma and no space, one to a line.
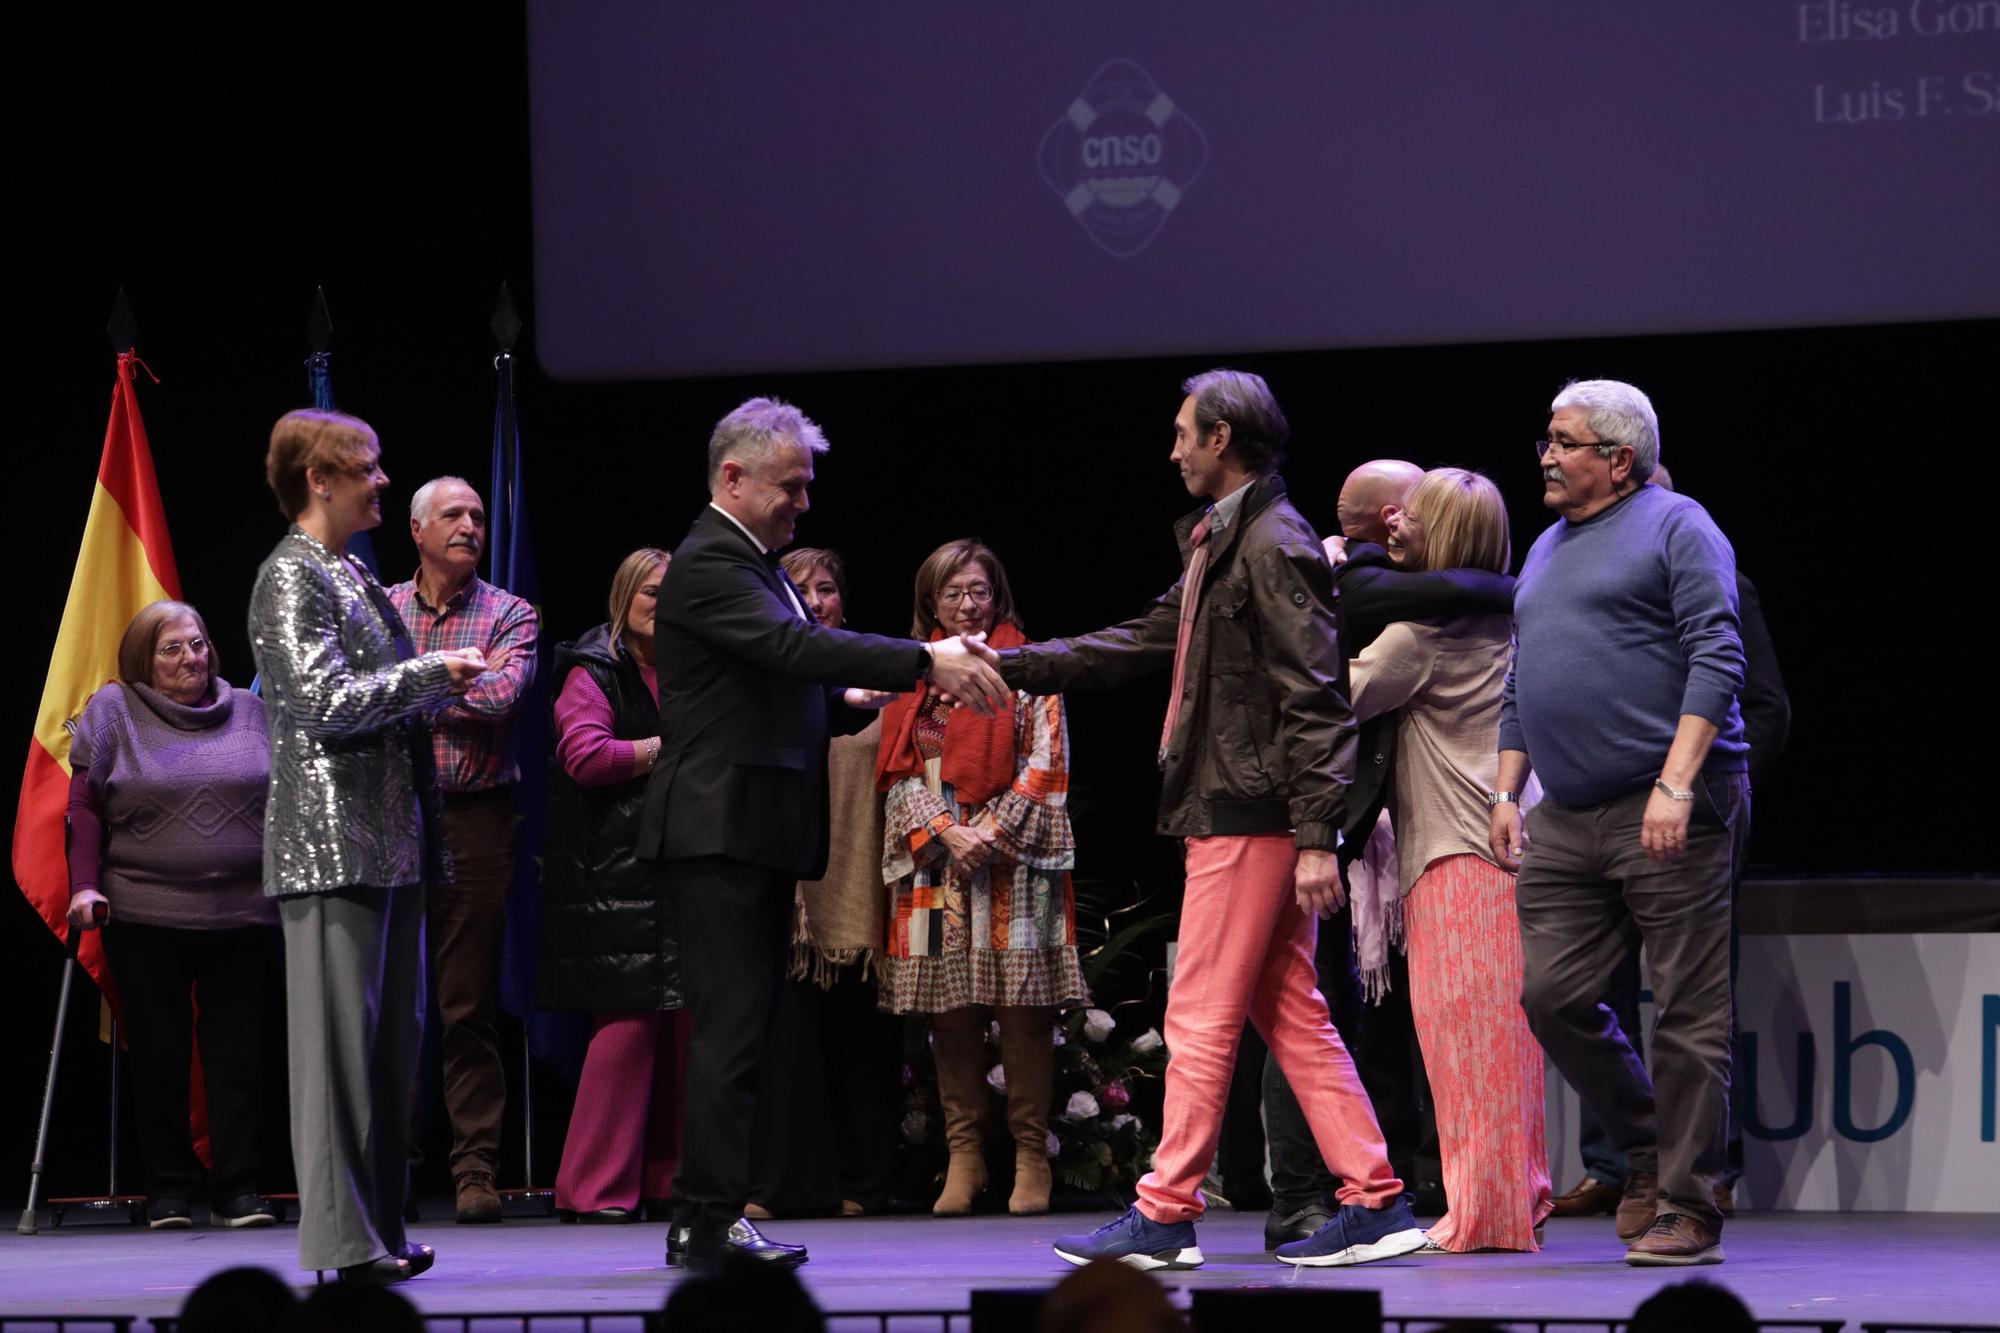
(737,805)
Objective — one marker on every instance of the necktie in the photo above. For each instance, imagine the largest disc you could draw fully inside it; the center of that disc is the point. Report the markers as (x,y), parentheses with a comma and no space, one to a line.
(1190,599)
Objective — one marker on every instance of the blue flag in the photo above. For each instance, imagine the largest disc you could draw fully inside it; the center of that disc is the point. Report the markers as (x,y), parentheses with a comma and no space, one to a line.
(556,1038)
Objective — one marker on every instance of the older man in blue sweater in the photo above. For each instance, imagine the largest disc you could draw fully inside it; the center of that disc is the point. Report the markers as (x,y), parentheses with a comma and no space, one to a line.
(1622,698)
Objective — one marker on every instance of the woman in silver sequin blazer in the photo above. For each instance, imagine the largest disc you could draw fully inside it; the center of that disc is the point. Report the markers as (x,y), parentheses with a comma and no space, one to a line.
(353,830)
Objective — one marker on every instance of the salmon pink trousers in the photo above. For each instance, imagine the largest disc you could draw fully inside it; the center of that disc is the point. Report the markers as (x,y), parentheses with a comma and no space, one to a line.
(1246,951)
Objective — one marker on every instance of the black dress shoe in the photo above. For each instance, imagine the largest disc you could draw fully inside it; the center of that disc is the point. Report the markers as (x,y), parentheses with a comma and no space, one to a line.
(405,1264)
(1299,1224)
(380,1272)
(688,1248)
(598,1216)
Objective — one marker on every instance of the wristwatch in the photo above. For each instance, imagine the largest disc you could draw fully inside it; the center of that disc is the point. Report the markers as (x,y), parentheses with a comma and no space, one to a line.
(1661,783)
(1494,798)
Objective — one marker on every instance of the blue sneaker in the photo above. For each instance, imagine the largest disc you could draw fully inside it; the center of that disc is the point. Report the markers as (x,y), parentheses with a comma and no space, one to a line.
(1135,1239)
(1357,1235)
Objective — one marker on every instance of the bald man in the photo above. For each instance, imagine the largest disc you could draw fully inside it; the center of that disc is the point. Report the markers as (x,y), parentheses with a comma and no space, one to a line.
(1373,594)
(1370,494)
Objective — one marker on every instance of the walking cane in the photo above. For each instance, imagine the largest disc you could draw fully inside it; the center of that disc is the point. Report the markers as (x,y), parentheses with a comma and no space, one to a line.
(27,1225)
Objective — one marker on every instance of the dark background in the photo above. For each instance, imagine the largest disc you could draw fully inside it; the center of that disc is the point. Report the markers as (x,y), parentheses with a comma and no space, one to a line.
(219,184)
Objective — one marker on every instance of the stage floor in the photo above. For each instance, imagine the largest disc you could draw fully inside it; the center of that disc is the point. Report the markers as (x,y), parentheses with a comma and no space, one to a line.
(1919,1267)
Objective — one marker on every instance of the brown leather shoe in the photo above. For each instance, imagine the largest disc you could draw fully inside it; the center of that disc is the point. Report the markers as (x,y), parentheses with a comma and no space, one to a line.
(1675,1240)
(1725,1198)
(1591,1197)
(478,1201)
(1637,1204)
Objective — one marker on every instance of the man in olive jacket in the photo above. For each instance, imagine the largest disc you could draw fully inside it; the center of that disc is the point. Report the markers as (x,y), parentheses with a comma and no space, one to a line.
(1257,754)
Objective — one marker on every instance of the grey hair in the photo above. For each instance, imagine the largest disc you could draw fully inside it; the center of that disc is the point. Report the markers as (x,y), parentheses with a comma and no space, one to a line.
(1257,425)
(1619,414)
(754,432)
(420,503)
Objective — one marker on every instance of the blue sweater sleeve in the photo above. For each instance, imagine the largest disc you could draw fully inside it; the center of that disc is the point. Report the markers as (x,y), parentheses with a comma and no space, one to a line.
(1701,584)
(1511,736)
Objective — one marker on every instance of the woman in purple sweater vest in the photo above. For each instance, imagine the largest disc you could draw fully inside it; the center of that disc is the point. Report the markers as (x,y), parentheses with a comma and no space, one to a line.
(168,772)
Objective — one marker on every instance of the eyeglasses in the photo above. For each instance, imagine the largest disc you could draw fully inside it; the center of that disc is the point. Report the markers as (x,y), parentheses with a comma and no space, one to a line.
(1569,447)
(173,649)
(978,592)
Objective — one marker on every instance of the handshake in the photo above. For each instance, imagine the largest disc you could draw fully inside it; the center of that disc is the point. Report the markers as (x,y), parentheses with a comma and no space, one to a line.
(963,671)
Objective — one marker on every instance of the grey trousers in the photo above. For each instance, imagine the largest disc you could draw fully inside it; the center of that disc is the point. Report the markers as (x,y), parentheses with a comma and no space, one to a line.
(1587,893)
(354,986)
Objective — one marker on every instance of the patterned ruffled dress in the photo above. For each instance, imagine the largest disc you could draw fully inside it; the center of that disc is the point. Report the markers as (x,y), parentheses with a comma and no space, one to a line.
(1007,934)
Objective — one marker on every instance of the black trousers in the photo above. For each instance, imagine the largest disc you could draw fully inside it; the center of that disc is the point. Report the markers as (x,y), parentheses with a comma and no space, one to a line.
(1383,1041)
(163,973)
(831,1099)
(736,930)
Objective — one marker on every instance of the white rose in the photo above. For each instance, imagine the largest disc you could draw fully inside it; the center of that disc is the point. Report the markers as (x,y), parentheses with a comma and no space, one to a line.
(1054,1145)
(1120,1121)
(1057,1034)
(1082,1106)
(1149,1040)
(996,1078)
(1097,1025)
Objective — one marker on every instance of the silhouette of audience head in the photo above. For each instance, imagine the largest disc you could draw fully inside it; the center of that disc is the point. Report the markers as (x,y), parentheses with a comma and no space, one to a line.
(238,1300)
(1696,1304)
(742,1295)
(344,1307)
(1105,1296)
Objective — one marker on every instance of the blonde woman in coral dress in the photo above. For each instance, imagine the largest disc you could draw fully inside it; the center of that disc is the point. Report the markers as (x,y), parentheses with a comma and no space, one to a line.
(1464,938)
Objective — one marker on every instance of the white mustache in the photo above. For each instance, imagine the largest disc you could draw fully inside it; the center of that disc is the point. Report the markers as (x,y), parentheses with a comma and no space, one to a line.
(469,543)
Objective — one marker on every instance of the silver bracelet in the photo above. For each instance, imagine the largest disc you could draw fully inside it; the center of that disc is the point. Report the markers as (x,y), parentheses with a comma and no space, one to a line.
(1661,783)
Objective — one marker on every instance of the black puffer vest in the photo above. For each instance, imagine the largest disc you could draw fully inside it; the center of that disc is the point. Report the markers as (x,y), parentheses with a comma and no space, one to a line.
(610,941)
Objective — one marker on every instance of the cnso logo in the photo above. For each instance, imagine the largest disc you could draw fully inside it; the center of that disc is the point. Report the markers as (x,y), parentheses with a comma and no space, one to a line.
(1122,158)
(1124,150)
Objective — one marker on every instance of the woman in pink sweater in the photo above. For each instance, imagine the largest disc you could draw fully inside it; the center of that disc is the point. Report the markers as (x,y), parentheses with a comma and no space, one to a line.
(609,943)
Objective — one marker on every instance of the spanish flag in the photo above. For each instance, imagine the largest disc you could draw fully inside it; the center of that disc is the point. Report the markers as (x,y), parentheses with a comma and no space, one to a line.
(126,564)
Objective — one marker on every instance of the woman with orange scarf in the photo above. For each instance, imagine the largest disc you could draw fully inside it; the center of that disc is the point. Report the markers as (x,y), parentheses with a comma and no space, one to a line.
(977,853)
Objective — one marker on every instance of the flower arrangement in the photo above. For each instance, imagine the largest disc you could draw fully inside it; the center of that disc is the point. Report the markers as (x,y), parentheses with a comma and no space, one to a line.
(1097,1143)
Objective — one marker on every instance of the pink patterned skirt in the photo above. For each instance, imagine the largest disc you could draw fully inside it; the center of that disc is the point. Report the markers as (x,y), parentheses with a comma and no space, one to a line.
(1485,1066)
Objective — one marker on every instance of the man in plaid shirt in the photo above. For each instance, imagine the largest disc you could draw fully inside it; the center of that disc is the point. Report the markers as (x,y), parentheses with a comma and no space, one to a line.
(448,606)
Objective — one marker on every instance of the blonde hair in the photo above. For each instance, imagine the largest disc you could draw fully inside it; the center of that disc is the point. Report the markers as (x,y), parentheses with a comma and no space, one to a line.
(142,640)
(313,438)
(1465,521)
(625,585)
(947,560)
